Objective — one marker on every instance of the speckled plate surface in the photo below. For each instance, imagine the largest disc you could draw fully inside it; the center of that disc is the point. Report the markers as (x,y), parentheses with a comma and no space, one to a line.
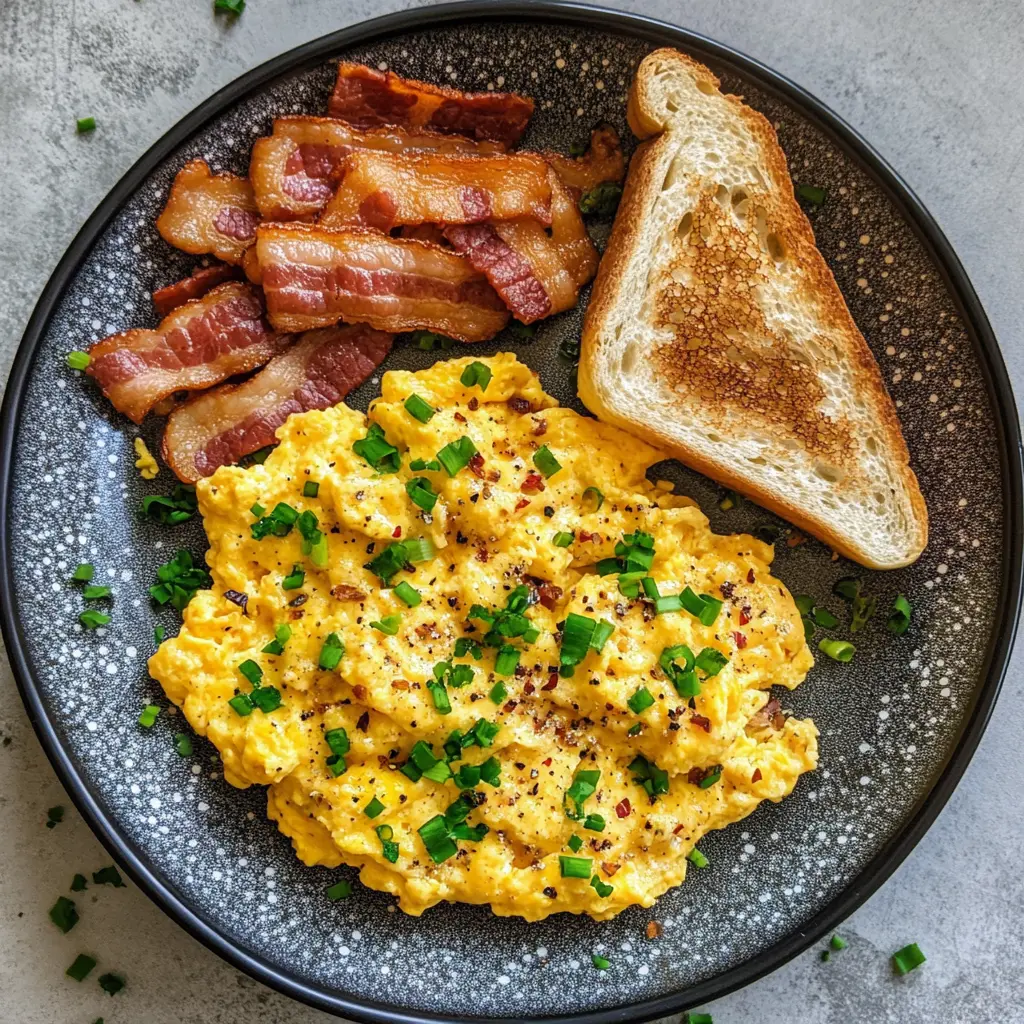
(898,725)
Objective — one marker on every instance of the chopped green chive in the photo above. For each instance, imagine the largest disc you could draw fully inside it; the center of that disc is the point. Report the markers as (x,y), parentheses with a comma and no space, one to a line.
(170,510)
(456,455)
(592,499)
(825,956)
(389,625)
(410,595)
(837,650)
(417,465)
(653,779)
(521,332)
(577,634)
(603,889)
(908,958)
(421,493)
(183,744)
(575,867)
(710,779)
(710,662)
(545,461)
(93,619)
(594,822)
(54,816)
(506,662)
(295,579)
(418,409)
(79,360)
(241,705)
(266,698)
(427,341)
(81,968)
(373,809)
(113,983)
(440,695)
(640,701)
(697,859)
(376,450)
(257,510)
(583,786)
(499,691)
(476,373)
(730,501)
(575,843)
(899,621)
(339,891)
(278,524)
(419,549)
(84,573)
(847,588)
(634,730)
(331,652)
(79,883)
(436,838)
(251,671)
(108,876)
(811,193)
(563,539)
(178,580)
(602,200)
(148,716)
(838,942)
(85,124)
(697,1018)
(310,489)
(234,7)
(602,630)
(683,676)
(63,914)
(337,742)
(824,618)
(600,962)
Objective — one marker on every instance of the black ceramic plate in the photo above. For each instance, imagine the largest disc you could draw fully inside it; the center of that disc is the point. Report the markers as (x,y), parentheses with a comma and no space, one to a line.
(898,725)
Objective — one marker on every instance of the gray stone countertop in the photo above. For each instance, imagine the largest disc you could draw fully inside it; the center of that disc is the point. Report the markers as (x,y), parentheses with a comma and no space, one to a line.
(935,85)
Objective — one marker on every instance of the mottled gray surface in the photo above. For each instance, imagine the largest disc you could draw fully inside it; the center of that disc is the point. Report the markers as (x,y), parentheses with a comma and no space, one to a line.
(137,68)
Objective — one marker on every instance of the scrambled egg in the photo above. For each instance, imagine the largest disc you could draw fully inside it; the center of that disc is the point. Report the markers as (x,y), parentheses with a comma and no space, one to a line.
(538,831)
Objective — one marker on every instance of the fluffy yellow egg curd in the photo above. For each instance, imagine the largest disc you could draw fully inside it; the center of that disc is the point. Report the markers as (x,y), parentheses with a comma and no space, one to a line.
(608,703)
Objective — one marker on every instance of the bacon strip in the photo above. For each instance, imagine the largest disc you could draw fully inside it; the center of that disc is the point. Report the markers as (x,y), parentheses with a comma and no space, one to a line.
(296,170)
(383,190)
(313,277)
(197,346)
(535,273)
(219,427)
(209,213)
(366,98)
(602,162)
(170,297)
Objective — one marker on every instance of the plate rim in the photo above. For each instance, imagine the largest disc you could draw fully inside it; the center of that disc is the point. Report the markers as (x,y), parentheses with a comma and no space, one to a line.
(133,859)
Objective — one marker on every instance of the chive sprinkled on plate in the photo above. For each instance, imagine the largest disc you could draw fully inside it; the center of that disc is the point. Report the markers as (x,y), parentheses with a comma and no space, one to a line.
(108,876)
(93,619)
(83,573)
(476,373)
(837,650)
(183,744)
(54,816)
(908,958)
(697,1018)
(697,859)
(838,942)
(600,962)
(339,891)
(148,716)
(81,968)
(899,620)
(111,983)
(178,580)
(78,360)
(169,510)
(647,774)
(63,914)
(79,883)
(234,7)
(85,124)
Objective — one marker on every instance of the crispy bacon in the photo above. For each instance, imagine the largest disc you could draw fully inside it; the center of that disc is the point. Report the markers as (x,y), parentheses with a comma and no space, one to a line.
(296,170)
(209,213)
(198,345)
(313,277)
(202,280)
(385,190)
(367,98)
(218,428)
(536,273)
(602,162)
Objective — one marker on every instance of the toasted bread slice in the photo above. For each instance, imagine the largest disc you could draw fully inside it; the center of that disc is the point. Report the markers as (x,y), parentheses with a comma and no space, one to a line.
(717,331)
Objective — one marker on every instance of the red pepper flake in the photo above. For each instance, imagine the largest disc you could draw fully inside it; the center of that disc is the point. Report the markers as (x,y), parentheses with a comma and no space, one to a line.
(521,504)
(740,640)
(510,706)
(750,576)
(528,688)
(653,930)
(622,808)
(541,428)
(677,829)
(585,535)
(701,722)
(396,532)
(756,777)
(546,762)
(552,682)
(399,684)
(474,404)
(519,404)
(744,614)
(532,483)
(482,554)
(359,691)
(795,539)
(609,868)
(476,465)
(460,417)
(549,595)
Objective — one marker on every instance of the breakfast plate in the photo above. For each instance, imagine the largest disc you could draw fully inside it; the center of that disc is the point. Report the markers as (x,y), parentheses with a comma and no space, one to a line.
(897,725)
